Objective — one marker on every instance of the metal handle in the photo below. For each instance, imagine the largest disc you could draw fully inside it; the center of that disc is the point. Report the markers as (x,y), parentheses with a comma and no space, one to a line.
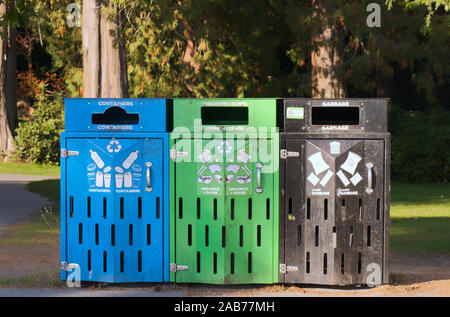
(259,189)
(148,188)
(369,188)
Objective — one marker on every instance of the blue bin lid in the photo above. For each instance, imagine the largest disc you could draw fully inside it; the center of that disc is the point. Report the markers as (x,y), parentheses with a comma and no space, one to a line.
(115,115)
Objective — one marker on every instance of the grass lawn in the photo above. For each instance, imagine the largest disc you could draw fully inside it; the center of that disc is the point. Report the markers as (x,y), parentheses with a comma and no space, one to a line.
(47,188)
(420,215)
(29,169)
(420,218)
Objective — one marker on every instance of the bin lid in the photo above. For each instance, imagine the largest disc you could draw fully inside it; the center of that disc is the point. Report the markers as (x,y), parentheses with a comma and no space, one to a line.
(115,114)
(224,114)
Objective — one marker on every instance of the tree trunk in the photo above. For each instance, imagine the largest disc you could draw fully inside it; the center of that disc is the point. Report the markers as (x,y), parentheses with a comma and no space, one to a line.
(104,58)
(325,56)
(8,86)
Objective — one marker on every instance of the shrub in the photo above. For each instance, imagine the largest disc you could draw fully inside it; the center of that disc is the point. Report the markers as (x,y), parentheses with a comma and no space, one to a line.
(37,141)
(420,145)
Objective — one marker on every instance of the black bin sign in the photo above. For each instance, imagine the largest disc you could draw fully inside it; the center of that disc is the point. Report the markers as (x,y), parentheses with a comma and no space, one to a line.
(334,192)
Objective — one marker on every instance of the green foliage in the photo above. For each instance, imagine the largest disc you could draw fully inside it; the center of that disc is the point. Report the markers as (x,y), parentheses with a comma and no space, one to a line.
(420,145)
(37,141)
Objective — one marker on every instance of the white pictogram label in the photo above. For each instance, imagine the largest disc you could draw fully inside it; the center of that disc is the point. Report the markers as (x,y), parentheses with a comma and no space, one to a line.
(356,179)
(114,146)
(97,159)
(326,178)
(343,178)
(335,147)
(351,162)
(313,179)
(130,159)
(318,163)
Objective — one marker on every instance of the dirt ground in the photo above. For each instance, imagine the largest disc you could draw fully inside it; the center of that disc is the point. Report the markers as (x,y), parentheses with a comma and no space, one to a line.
(37,265)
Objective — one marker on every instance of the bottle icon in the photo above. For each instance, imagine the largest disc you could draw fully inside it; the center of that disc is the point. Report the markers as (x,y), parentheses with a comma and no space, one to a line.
(97,159)
(130,159)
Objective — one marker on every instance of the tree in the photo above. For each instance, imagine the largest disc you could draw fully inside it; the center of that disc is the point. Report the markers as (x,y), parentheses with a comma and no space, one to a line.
(8,112)
(104,55)
(325,55)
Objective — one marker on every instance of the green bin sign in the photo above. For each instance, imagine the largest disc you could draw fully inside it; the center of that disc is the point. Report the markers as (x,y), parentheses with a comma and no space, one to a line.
(224,191)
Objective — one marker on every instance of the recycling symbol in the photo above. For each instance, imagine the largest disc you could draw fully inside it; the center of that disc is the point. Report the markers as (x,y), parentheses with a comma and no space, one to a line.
(114,146)
(224,146)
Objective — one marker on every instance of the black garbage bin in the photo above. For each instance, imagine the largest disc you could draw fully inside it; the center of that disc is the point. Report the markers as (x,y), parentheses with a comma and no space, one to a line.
(334,192)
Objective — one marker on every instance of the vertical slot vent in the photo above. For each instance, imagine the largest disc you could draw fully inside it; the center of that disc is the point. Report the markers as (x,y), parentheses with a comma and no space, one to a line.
(122,262)
(158,207)
(378,208)
(232,208)
(350,244)
(139,261)
(215,263)
(359,262)
(189,235)
(342,263)
(241,236)
(290,208)
(89,207)
(223,236)
(71,206)
(299,235)
(232,263)
(96,234)
(80,233)
(258,236)
(105,262)
(149,234)
(268,208)
(325,264)
(249,262)
(113,235)
(198,208)
(89,260)
(121,208)
(360,209)
(198,262)
(104,207)
(368,236)
(316,236)
(206,236)
(180,207)
(215,208)
(139,207)
(308,208)
(308,262)
(130,235)
(250,208)
(325,209)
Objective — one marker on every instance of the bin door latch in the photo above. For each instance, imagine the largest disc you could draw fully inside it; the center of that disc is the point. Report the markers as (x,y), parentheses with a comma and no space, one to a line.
(287,268)
(65,153)
(175,268)
(174,154)
(69,266)
(284,154)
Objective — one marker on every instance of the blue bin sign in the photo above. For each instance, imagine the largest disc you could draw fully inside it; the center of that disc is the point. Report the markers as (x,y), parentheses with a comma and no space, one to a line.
(114,176)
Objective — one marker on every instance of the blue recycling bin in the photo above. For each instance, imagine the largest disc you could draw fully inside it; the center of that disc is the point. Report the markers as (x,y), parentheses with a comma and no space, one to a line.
(114,191)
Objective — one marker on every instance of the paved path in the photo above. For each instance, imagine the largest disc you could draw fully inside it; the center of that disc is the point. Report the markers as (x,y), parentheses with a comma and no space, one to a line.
(74,292)
(16,202)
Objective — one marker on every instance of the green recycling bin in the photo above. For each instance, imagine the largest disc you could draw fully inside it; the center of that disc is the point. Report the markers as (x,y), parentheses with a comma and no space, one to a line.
(224,191)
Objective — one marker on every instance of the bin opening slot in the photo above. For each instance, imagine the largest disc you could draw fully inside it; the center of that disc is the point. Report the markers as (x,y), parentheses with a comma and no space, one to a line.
(115,115)
(335,115)
(224,115)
